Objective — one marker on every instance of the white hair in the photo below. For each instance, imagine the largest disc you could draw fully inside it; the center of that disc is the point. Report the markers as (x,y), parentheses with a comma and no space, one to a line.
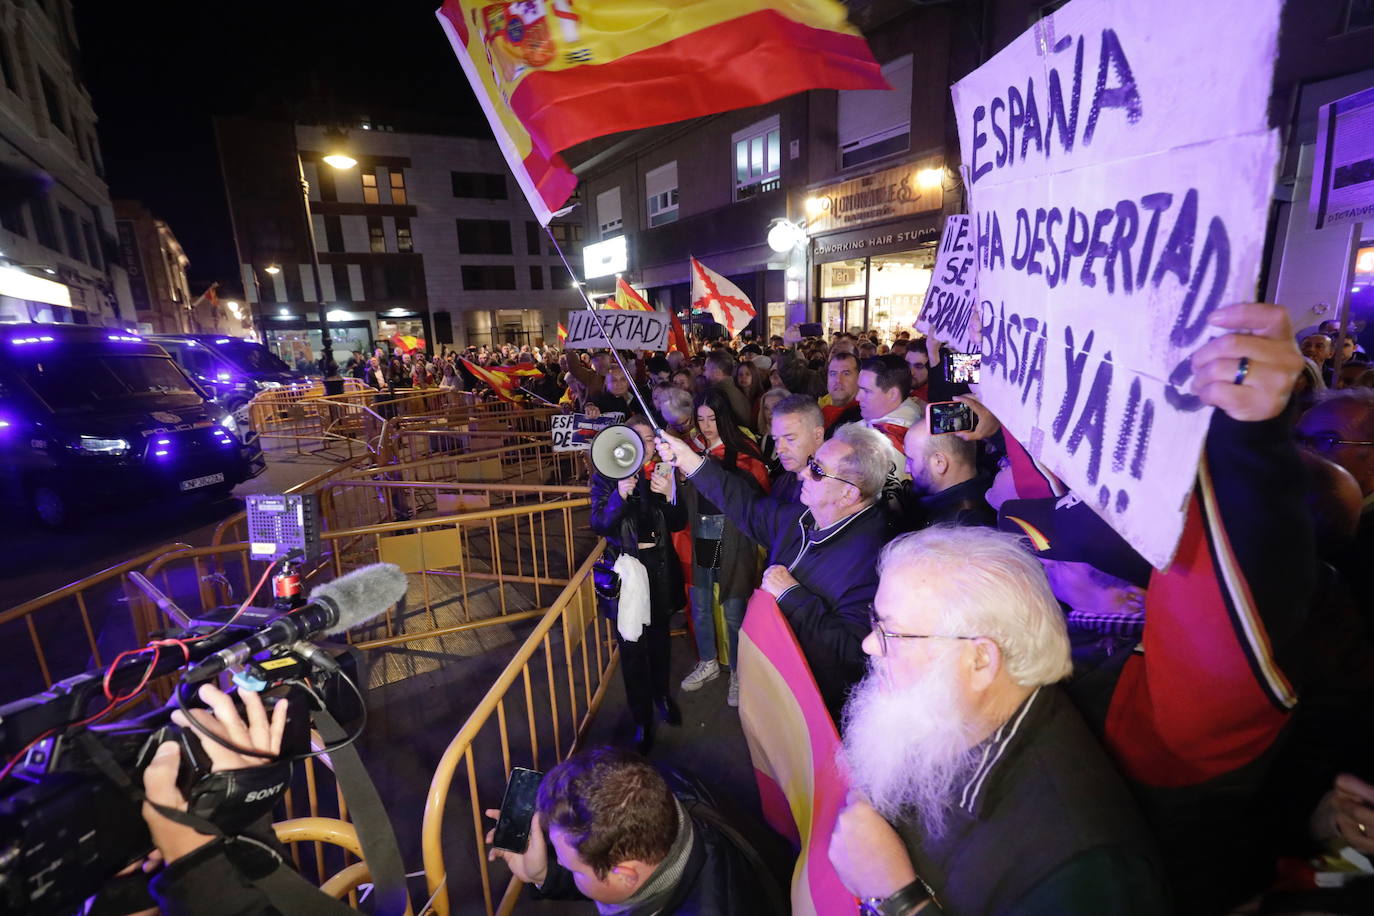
(869,460)
(990,586)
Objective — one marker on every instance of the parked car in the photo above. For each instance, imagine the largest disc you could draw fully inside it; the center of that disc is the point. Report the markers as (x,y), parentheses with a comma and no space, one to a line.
(100,417)
(233,370)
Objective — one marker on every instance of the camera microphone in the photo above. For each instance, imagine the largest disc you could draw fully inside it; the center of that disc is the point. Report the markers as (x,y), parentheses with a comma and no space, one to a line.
(349,601)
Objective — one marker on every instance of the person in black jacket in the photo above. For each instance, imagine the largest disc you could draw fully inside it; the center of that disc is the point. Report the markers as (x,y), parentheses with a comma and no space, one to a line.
(626,839)
(637,516)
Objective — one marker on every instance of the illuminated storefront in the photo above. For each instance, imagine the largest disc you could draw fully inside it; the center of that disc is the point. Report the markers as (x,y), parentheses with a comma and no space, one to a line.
(873,244)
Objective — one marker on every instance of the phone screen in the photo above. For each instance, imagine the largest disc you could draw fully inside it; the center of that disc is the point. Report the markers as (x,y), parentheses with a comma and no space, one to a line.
(949,417)
(517,810)
(963,368)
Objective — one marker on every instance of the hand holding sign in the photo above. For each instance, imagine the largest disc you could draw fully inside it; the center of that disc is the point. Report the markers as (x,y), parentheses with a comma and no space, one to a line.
(1250,372)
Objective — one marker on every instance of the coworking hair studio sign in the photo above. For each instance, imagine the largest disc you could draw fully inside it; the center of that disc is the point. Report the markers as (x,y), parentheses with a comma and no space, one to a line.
(1119,165)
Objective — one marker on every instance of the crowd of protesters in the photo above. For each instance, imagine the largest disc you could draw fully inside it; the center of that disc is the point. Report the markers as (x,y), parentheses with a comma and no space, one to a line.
(1033,719)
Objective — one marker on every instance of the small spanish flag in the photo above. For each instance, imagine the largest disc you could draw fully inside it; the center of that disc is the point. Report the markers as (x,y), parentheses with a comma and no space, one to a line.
(627,298)
(562,333)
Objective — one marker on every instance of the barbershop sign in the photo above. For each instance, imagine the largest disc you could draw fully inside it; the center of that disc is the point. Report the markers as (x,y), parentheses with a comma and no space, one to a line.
(889,194)
(1120,166)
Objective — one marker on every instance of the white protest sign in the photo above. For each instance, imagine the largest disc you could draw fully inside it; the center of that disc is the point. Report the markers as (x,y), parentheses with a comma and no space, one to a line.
(574,432)
(949,303)
(1120,168)
(627,330)
(1343,178)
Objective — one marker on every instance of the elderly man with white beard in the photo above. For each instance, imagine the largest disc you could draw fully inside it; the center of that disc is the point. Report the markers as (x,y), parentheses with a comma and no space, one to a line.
(977,786)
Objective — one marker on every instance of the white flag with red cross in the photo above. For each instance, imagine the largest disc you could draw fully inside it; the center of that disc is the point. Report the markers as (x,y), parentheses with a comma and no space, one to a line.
(724,300)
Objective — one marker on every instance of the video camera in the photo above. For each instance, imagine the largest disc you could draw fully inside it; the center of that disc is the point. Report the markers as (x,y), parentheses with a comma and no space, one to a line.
(70,799)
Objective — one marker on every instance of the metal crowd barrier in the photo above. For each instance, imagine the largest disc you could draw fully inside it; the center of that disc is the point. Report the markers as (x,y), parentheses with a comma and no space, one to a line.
(535,714)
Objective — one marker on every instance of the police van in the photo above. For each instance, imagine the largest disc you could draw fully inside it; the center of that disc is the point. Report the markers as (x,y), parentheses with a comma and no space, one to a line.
(95,417)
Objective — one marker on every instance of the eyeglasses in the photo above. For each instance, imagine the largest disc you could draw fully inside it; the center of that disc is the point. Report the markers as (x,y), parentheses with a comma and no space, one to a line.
(884,635)
(1323,442)
(818,473)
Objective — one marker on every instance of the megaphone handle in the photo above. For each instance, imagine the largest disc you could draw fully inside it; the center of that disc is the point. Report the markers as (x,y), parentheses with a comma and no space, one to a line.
(615,354)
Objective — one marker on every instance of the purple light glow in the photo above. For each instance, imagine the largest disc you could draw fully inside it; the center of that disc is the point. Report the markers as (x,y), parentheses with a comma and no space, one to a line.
(127,338)
(4,424)
(160,452)
(28,340)
(164,442)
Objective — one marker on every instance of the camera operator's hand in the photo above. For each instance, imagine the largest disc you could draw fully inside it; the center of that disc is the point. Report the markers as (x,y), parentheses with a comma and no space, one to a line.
(160,778)
(530,866)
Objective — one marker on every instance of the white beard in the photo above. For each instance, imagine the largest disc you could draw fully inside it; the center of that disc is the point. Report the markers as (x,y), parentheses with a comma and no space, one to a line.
(910,749)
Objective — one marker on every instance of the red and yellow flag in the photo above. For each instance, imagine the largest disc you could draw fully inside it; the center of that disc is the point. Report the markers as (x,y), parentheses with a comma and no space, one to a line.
(552,73)
(562,333)
(627,298)
(792,742)
(678,339)
(505,381)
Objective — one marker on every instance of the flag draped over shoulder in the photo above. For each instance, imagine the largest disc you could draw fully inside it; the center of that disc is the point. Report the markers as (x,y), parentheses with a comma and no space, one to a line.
(627,298)
(725,301)
(792,743)
(552,73)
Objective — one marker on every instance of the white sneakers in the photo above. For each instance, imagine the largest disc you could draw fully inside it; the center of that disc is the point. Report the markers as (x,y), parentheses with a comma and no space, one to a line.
(703,672)
(733,696)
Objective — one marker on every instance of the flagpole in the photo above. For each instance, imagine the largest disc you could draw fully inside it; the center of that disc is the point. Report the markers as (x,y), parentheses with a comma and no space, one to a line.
(615,354)
(537,397)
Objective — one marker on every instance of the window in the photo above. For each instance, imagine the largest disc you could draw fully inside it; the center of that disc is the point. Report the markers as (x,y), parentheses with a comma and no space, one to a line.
(1359,15)
(403,240)
(54,102)
(536,277)
(559,278)
(532,233)
(484,236)
(333,234)
(329,190)
(660,190)
(370,186)
(758,159)
(343,290)
(488,276)
(482,185)
(608,211)
(376,235)
(563,233)
(92,243)
(398,186)
(43,226)
(874,123)
(12,217)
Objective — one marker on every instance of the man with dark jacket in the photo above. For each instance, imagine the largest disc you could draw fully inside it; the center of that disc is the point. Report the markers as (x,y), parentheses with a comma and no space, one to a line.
(624,840)
(945,478)
(821,550)
(720,373)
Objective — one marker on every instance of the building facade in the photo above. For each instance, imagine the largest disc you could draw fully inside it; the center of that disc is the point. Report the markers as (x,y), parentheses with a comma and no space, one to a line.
(424,236)
(156,266)
(59,260)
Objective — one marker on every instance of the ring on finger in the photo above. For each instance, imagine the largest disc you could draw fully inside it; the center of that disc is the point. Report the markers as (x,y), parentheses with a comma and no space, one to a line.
(1361,828)
(1242,370)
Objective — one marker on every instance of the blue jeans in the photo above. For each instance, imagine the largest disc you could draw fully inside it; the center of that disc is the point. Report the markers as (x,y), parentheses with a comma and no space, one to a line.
(703,617)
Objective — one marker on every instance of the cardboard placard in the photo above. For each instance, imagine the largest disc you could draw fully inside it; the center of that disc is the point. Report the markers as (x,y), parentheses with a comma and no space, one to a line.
(949,312)
(1120,169)
(573,432)
(626,330)
(1343,175)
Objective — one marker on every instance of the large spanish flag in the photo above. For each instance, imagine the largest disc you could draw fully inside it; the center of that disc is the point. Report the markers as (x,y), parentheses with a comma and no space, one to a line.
(792,742)
(553,73)
(626,297)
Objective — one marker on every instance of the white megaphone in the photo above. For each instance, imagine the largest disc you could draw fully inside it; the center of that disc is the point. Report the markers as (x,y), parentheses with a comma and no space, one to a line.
(617,452)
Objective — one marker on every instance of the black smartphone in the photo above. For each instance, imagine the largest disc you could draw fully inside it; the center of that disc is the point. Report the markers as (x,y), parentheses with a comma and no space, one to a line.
(517,810)
(962,368)
(950,417)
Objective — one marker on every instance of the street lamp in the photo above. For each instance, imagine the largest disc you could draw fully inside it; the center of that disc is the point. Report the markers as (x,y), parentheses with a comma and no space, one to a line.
(272,269)
(339,160)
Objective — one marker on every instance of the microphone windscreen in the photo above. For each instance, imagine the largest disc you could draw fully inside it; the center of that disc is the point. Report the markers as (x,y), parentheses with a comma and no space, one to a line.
(363,594)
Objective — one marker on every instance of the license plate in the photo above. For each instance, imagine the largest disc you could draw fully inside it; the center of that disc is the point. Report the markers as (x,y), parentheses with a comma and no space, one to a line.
(195,483)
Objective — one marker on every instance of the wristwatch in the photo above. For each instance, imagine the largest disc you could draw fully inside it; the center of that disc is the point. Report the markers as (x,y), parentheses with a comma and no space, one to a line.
(899,903)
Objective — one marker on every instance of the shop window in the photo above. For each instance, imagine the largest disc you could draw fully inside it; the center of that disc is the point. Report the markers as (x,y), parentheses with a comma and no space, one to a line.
(479,185)
(536,277)
(608,211)
(404,242)
(758,158)
(376,235)
(488,276)
(398,186)
(484,236)
(370,186)
(875,123)
(660,190)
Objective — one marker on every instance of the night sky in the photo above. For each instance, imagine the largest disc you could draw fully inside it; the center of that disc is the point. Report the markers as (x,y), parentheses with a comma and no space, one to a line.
(158,71)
